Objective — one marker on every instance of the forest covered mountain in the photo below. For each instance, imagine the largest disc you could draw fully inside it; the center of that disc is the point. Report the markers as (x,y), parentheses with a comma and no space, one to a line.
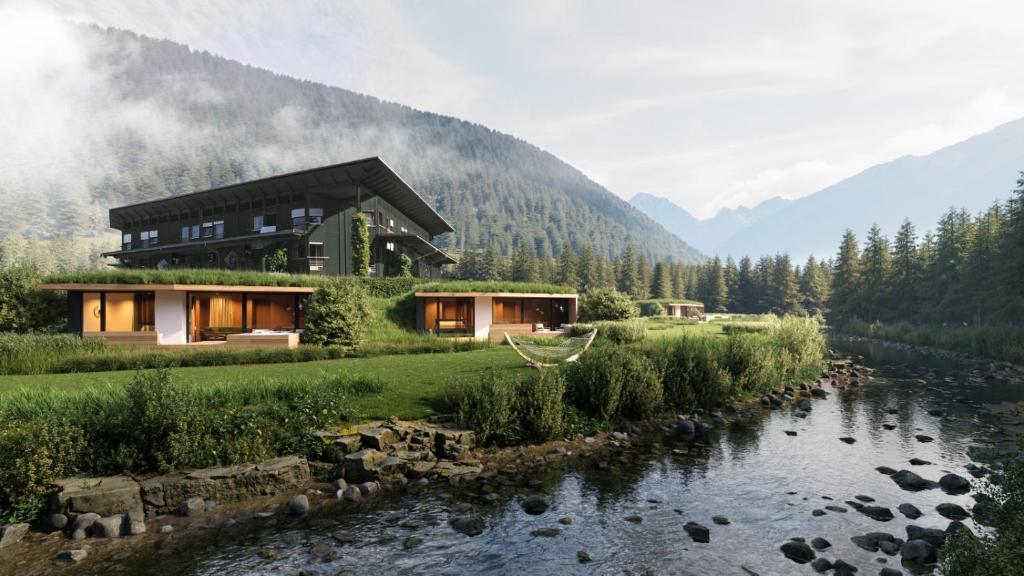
(165,120)
(704,235)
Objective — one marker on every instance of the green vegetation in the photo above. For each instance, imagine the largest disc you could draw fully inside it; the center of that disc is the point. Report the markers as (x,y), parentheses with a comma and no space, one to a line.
(277,261)
(506,409)
(606,305)
(511,287)
(1001,508)
(993,342)
(337,316)
(42,353)
(360,245)
(23,307)
(624,332)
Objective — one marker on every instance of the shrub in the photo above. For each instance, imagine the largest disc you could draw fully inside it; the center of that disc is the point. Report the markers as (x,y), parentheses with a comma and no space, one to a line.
(595,382)
(24,307)
(541,406)
(641,389)
(487,405)
(745,328)
(606,305)
(651,309)
(995,342)
(337,316)
(626,332)
(1000,551)
(276,261)
(32,456)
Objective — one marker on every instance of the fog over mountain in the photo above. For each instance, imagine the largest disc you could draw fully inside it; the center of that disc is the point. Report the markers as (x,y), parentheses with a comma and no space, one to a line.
(92,118)
(971,174)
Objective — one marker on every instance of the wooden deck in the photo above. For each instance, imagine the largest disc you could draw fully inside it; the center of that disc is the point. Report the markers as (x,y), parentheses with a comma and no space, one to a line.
(497,332)
(146,338)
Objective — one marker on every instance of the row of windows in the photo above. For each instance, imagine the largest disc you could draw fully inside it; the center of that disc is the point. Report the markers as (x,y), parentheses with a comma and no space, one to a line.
(214,230)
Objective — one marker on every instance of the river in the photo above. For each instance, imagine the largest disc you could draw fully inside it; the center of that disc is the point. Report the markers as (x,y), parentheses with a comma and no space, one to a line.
(629,515)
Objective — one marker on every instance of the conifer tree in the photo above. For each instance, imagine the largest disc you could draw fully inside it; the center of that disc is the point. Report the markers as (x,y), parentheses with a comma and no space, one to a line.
(627,279)
(524,264)
(876,267)
(661,283)
(906,272)
(843,301)
(567,266)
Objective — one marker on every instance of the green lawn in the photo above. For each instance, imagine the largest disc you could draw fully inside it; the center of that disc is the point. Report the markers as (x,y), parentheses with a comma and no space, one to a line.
(414,383)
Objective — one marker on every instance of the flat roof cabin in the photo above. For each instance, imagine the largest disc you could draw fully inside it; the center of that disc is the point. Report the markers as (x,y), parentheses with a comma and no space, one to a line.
(306,213)
(489,315)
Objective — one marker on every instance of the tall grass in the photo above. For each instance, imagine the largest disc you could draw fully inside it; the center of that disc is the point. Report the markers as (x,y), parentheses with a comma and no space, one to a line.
(993,342)
(37,353)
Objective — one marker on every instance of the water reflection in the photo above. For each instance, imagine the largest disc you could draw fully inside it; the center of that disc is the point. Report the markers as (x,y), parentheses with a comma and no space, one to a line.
(628,508)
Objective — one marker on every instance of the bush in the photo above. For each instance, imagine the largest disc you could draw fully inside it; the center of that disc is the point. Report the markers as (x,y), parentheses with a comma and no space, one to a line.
(541,406)
(625,332)
(337,316)
(641,389)
(994,342)
(745,328)
(606,305)
(694,374)
(1000,551)
(23,307)
(617,382)
(651,309)
(32,456)
(487,406)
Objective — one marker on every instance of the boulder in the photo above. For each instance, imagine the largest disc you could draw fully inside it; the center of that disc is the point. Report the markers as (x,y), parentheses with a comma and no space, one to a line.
(82,525)
(871,540)
(583,557)
(804,404)
(821,565)
(369,488)
(105,496)
(880,513)
(889,548)
(798,552)
(55,522)
(952,511)
(910,511)
(468,525)
(352,494)
(192,507)
(11,534)
(377,438)
(842,568)
(933,536)
(108,526)
(911,481)
(72,555)
(535,505)
(697,532)
(685,428)
(297,505)
(918,551)
(361,466)
(819,393)
(954,484)
(820,543)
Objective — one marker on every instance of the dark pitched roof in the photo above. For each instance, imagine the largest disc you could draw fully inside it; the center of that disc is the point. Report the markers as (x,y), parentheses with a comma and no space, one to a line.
(371,172)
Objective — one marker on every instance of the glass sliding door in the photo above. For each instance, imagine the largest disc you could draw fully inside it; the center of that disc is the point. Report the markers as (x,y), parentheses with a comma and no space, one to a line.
(214,316)
(449,316)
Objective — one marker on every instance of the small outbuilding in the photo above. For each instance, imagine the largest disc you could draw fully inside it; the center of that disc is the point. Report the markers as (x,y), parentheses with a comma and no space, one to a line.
(684,310)
(489,315)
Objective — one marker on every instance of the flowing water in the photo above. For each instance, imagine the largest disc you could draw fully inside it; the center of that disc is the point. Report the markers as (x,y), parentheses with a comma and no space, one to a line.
(767,484)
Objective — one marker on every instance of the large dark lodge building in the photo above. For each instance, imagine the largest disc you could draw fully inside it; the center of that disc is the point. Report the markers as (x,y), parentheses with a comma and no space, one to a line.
(307,213)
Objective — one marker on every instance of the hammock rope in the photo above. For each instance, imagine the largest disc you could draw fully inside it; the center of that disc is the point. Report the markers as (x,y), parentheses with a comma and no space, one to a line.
(539,355)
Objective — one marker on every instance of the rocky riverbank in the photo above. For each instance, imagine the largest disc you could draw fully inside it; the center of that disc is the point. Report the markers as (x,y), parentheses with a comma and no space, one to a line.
(95,522)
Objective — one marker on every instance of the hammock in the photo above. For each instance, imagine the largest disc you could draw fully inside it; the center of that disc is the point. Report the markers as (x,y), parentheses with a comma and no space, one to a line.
(539,355)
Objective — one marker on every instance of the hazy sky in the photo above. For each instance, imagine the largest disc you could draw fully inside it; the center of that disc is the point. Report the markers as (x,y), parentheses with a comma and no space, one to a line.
(712,104)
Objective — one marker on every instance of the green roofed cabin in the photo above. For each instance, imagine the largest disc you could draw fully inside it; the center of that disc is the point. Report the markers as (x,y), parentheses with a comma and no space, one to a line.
(307,213)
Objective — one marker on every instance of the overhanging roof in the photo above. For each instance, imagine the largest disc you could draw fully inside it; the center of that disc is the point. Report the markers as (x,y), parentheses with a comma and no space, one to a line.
(372,172)
(201,244)
(495,294)
(428,250)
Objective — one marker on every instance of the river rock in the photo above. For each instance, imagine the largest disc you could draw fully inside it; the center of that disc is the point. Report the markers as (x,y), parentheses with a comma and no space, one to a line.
(720,520)
(11,534)
(72,555)
(918,551)
(886,470)
(919,462)
(798,552)
(821,565)
(911,481)
(377,438)
(954,484)
(297,505)
(105,496)
(864,498)
(952,511)
(871,540)
(535,505)
(819,393)
(843,568)
(192,507)
(583,557)
(55,522)
(820,543)
(790,432)
(834,508)
(889,426)
(848,439)
(361,466)
(880,513)
(933,536)
(923,438)
(910,511)
(368,489)
(888,548)
(804,404)
(412,542)
(108,527)
(82,525)
(890,572)
(468,525)
(545,532)
(685,428)
(352,494)
(697,532)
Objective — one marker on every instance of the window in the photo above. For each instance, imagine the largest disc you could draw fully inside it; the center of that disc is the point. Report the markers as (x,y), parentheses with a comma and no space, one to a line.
(404,230)
(316,249)
(218,229)
(316,215)
(390,246)
(148,238)
(298,217)
(370,218)
(126,241)
(264,223)
(195,231)
(184,233)
(207,229)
